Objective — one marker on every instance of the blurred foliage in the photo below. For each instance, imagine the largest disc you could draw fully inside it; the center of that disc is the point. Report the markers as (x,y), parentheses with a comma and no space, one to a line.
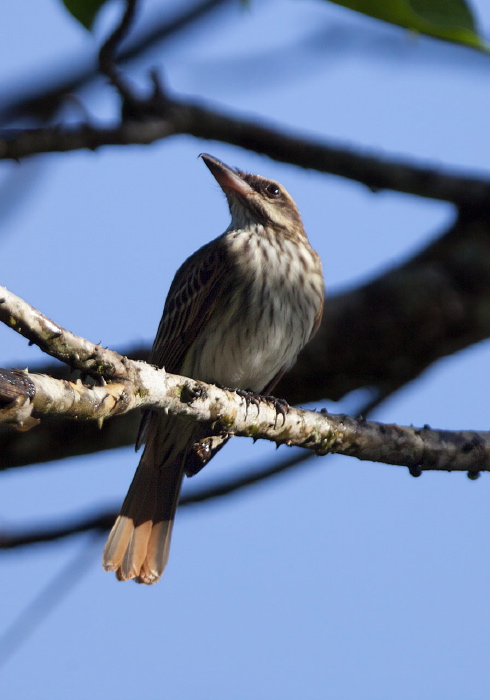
(451,20)
(84,11)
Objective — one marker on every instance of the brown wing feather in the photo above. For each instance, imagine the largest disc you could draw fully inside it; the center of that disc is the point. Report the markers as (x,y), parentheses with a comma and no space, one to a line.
(189,305)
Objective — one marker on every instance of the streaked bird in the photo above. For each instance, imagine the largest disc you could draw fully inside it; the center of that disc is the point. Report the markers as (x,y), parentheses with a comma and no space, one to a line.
(237,314)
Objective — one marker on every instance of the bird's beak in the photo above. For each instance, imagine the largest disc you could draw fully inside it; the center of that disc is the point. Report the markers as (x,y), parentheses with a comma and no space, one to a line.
(228,179)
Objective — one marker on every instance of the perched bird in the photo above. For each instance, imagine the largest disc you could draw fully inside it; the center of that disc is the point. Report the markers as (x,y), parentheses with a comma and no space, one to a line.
(237,314)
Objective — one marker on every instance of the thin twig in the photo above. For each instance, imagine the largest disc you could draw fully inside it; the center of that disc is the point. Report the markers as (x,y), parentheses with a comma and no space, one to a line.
(103,521)
(107,53)
(45,601)
(45,99)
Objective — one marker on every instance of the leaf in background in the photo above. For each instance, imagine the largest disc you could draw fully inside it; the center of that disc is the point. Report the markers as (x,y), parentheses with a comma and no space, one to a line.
(84,11)
(451,20)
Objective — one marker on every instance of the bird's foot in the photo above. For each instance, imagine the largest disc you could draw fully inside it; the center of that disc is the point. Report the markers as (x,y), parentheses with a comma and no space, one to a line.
(252,398)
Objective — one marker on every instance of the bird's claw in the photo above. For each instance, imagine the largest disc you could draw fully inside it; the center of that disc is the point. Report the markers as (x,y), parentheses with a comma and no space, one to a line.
(251,399)
(254,399)
(281,406)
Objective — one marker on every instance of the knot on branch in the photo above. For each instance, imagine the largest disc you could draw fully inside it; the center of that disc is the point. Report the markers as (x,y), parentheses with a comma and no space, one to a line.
(157,105)
(191,393)
(16,394)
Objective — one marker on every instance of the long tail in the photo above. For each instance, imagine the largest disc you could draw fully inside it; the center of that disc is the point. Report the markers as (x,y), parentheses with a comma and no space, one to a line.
(139,542)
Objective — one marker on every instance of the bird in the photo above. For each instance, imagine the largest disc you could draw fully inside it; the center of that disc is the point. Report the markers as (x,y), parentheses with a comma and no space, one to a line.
(238,312)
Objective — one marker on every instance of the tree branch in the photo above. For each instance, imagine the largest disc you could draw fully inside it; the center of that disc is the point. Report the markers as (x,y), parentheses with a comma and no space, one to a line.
(57,438)
(380,335)
(385,333)
(104,519)
(226,412)
(45,99)
(167,117)
(57,341)
(107,53)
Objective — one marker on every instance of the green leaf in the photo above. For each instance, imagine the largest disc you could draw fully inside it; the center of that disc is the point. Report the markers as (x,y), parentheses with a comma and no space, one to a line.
(85,11)
(451,20)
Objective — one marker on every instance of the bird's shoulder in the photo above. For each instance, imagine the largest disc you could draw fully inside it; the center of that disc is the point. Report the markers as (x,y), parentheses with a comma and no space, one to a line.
(189,302)
(197,272)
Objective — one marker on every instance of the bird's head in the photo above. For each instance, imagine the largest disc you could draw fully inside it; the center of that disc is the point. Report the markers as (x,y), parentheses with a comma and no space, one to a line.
(253,199)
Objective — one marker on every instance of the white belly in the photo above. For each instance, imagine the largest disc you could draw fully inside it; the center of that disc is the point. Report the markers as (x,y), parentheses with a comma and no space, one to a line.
(261,329)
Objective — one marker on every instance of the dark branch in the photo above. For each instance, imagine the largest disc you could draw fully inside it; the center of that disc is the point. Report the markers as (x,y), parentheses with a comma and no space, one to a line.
(107,53)
(387,332)
(44,101)
(380,335)
(104,520)
(167,117)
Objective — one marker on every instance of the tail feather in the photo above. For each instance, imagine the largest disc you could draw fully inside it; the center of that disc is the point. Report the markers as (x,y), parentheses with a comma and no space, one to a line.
(141,507)
(158,545)
(139,542)
(117,543)
(135,552)
(157,554)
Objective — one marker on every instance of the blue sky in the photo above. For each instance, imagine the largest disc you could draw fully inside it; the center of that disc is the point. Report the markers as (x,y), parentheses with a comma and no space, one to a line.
(345,579)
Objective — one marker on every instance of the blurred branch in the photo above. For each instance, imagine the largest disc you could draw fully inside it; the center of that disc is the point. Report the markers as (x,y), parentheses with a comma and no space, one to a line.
(46,97)
(46,600)
(385,333)
(58,438)
(380,335)
(104,520)
(161,117)
(107,53)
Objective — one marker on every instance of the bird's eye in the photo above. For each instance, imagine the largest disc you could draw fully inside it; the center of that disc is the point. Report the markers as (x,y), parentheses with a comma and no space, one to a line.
(273,191)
